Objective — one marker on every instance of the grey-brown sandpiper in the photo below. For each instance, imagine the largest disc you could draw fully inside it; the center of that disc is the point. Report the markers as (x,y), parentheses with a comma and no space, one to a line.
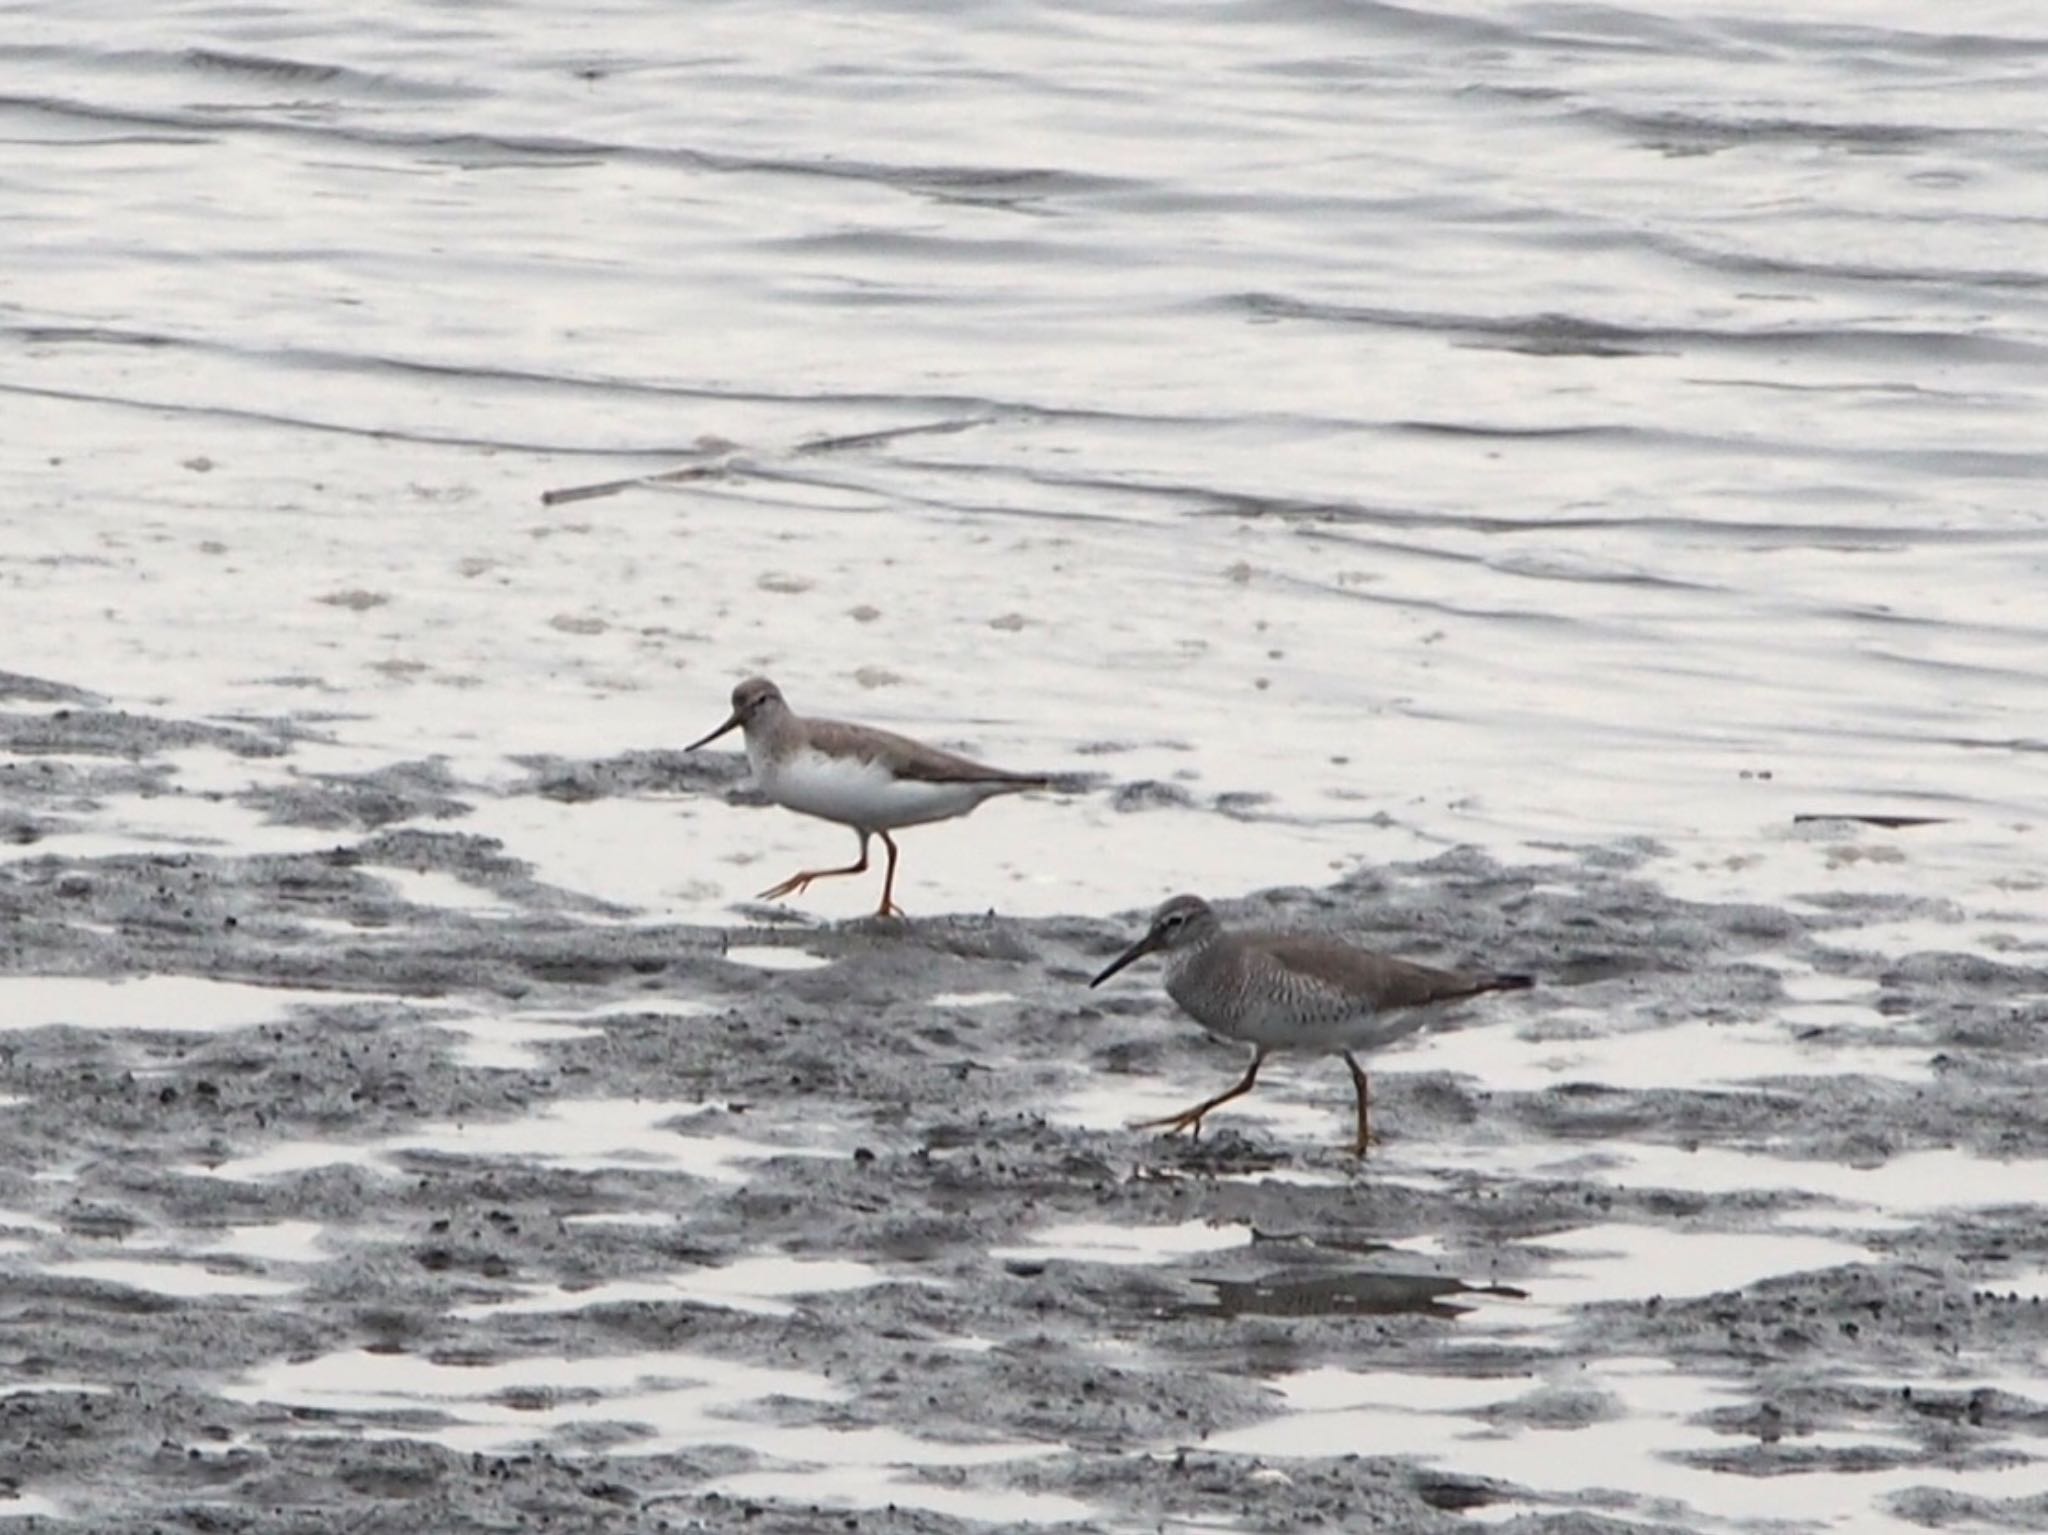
(871,780)
(1291,991)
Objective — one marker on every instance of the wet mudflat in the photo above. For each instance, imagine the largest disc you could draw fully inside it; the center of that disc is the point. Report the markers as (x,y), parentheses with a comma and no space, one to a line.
(1470,477)
(367,1181)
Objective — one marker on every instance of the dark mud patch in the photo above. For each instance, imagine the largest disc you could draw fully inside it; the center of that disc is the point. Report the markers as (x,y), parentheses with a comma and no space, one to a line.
(400,1216)
(87,731)
(574,780)
(405,791)
(16,688)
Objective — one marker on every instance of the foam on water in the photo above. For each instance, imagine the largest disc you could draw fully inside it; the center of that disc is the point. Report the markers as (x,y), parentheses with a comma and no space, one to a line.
(30,1505)
(1632,1455)
(1101,1242)
(277,1242)
(185,1280)
(768,956)
(1621,1262)
(1681,1055)
(431,887)
(761,1284)
(501,1042)
(673,1401)
(576,1133)
(1912,1183)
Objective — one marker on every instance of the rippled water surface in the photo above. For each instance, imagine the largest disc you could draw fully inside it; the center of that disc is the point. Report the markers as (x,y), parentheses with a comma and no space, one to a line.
(1522,419)
(1390,426)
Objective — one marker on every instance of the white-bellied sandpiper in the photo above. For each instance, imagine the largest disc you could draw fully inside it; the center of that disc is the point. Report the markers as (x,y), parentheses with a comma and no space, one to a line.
(874,781)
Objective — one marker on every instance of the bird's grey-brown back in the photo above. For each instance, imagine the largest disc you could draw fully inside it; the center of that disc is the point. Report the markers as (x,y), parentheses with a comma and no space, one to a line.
(1384,982)
(1297,991)
(775,731)
(912,759)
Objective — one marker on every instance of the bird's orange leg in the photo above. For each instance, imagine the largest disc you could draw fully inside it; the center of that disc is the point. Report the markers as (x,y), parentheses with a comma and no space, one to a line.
(796,884)
(1359,1081)
(1191,1119)
(888,908)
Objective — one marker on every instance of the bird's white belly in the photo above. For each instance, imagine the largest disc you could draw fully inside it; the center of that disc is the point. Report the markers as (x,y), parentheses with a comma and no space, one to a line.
(862,794)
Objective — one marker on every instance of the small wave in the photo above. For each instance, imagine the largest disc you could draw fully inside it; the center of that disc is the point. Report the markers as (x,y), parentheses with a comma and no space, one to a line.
(370,363)
(1875,388)
(1836,41)
(1381,19)
(90,335)
(223,412)
(2028,744)
(1756,264)
(1577,335)
(1881,615)
(1697,133)
(1015,188)
(1548,567)
(951,250)
(1560,31)
(970,409)
(1210,501)
(339,80)
(343,79)
(1948,666)
(263,67)
(1408,602)
(1486,430)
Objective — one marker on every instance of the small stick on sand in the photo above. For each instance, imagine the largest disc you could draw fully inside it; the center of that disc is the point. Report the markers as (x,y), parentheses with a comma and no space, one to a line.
(1888,822)
(890,434)
(612,487)
(726,465)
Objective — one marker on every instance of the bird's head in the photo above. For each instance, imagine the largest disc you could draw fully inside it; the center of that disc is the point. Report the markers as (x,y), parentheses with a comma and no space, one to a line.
(753,701)
(1181,922)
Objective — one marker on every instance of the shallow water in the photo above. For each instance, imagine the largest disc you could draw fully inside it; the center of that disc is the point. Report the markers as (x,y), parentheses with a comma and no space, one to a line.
(581,1134)
(1532,422)
(148,1003)
(754,1284)
(1632,1456)
(177,1279)
(1349,432)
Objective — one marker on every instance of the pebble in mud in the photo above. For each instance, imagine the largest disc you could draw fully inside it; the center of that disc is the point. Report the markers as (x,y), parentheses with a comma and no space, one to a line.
(665,1201)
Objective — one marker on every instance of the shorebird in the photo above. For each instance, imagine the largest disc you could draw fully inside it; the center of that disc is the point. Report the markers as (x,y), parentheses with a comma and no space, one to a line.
(1291,991)
(874,781)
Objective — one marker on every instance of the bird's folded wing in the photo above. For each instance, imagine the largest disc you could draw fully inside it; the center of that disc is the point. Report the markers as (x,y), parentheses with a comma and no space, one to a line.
(1376,980)
(911,759)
